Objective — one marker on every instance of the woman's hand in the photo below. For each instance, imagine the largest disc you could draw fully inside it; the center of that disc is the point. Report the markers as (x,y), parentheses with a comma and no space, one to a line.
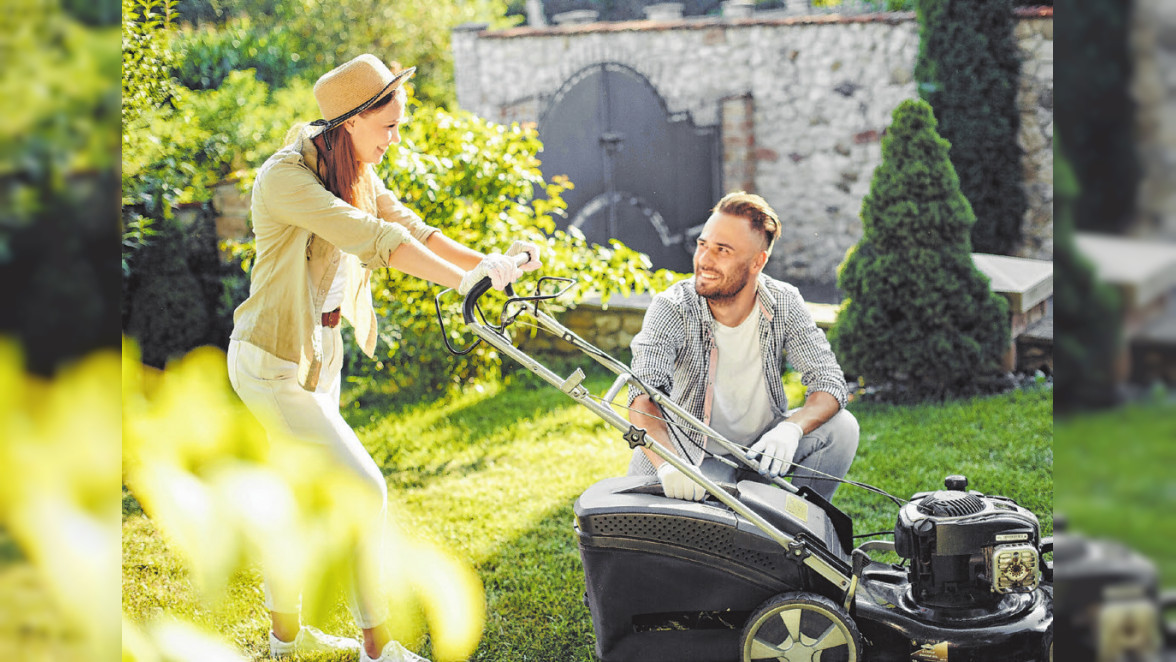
(501,270)
(530,249)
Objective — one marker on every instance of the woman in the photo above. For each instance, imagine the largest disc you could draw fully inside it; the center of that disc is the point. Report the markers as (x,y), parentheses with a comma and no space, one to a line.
(323,220)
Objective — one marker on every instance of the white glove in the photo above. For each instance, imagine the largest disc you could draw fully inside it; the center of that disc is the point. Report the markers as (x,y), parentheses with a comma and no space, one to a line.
(678,485)
(528,248)
(778,447)
(501,270)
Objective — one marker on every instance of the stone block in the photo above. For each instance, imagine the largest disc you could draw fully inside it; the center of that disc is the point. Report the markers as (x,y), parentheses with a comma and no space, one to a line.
(606,323)
(232,227)
(632,323)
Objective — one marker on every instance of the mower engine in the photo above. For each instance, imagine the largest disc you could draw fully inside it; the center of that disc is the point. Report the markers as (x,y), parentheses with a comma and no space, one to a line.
(967,550)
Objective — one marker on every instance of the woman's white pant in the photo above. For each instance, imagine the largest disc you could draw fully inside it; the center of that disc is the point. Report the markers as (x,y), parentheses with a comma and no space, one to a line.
(269,387)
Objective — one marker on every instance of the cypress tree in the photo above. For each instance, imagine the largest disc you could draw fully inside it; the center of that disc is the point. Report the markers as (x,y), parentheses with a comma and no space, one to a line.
(968,70)
(919,321)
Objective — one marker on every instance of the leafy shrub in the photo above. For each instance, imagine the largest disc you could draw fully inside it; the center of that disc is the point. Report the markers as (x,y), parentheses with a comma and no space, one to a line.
(480,183)
(968,69)
(1089,334)
(919,320)
(477,181)
(168,314)
(203,137)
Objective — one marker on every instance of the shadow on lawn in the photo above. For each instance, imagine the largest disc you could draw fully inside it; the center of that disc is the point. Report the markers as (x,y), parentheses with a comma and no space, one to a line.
(469,435)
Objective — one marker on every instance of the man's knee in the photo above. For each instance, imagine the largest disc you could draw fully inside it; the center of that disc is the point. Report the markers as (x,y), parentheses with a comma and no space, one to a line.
(843,431)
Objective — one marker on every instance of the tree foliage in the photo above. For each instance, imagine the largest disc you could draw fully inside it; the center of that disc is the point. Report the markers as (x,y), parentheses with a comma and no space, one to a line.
(1088,342)
(274,40)
(58,152)
(1096,111)
(968,70)
(919,320)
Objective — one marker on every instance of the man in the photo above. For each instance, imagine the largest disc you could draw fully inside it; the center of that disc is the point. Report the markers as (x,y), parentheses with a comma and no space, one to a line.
(716,344)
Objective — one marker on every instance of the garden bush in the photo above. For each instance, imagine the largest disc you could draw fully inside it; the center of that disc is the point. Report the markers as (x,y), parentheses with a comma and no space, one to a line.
(919,321)
(968,70)
(168,313)
(480,183)
(477,181)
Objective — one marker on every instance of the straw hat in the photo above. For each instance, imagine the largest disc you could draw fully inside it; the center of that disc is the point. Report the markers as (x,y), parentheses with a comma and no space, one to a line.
(351,88)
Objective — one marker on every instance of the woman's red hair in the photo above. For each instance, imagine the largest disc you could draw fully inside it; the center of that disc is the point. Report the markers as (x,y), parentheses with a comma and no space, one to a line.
(338,167)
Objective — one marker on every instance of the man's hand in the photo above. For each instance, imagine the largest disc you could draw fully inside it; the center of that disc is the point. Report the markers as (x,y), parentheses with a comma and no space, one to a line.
(678,485)
(530,249)
(777,447)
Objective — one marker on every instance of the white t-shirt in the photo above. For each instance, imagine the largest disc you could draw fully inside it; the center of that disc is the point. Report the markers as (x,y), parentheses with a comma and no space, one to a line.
(335,294)
(741,408)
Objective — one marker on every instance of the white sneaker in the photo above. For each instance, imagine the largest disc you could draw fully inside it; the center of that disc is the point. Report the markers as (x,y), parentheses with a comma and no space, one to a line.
(393,652)
(312,640)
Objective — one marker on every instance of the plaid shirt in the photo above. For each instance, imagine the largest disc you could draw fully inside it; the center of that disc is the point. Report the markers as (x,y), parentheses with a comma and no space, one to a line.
(676,353)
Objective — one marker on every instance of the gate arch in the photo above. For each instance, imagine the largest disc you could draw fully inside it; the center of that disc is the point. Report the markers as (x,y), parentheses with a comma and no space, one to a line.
(642,175)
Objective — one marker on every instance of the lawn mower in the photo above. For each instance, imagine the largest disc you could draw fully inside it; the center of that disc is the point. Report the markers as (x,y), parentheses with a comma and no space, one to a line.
(1110,605)
(766,571)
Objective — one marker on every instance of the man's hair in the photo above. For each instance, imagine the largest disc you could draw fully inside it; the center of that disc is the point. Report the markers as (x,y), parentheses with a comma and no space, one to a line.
(756,210)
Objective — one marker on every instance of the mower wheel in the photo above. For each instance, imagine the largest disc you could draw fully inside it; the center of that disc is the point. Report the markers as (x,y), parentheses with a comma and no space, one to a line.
(801,626)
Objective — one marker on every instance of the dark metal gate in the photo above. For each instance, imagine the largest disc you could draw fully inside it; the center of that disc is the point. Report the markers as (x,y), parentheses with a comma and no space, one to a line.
(641,175)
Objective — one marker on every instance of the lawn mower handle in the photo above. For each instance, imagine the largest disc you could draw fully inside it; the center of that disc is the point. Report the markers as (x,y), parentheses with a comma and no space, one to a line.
(481,287)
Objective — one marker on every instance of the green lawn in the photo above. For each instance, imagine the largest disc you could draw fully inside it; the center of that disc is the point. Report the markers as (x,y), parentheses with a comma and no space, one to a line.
(1115,479)
(492,475)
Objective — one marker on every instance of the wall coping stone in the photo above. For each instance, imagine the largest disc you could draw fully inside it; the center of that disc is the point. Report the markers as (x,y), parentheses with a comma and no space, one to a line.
(708,22)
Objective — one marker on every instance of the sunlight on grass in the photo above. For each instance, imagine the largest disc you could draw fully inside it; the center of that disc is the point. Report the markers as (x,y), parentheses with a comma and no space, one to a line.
(490,475)
(506,458)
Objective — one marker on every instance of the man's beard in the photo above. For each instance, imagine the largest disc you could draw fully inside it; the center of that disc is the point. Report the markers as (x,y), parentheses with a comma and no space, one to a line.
(727,286)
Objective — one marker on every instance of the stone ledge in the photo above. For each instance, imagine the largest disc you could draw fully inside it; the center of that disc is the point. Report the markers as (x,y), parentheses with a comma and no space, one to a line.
(1026,283)
(1143,271)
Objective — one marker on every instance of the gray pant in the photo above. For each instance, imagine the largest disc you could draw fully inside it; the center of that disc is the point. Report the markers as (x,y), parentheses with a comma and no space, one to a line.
(828,450)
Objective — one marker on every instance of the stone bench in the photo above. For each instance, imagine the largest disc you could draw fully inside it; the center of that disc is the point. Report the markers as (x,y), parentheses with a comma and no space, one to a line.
(1144,273)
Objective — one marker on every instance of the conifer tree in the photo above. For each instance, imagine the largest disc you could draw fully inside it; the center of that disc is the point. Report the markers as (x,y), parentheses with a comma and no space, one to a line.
(968,69)
(919,321)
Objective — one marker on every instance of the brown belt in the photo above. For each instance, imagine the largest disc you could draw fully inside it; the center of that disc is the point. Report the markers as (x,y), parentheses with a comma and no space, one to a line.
(331,319)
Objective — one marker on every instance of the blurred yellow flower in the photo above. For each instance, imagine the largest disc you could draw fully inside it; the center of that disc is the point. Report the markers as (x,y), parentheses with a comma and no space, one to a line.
(59,481)
(224,495)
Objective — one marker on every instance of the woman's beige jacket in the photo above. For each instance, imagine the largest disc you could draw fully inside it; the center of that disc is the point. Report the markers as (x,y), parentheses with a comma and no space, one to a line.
(304,235)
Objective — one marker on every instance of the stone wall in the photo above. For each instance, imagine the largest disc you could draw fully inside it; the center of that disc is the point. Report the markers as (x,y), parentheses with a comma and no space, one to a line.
(801,104)
(1153,44)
